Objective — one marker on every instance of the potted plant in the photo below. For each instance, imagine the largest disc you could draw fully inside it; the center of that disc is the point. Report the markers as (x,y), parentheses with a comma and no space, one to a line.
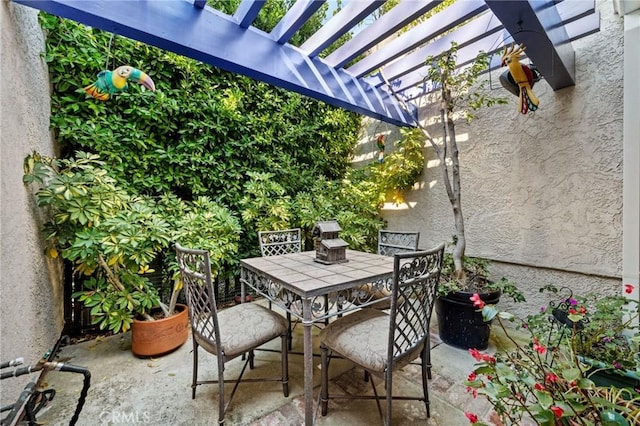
(460,95)
(460,323)
(541,376)
(605,330)
(202,224)
(111,237)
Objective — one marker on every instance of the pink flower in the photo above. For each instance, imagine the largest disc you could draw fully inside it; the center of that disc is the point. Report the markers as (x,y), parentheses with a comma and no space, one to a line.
(477,302)
(476,354)
(628,288)
(479,356)
(551,377)
(472,391)
(538,347)
(472,417)
(557,411)
(539,387)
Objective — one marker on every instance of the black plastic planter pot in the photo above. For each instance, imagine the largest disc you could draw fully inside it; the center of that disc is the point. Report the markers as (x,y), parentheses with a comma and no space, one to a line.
(459,323)
(603,375)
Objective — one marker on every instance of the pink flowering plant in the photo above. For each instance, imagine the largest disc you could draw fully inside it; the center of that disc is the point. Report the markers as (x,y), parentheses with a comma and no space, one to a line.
(547,376)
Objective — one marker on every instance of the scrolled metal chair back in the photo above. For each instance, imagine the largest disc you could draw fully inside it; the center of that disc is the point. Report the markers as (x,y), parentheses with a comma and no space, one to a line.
(195,269)
(273,243)
(394,242)
(415,286)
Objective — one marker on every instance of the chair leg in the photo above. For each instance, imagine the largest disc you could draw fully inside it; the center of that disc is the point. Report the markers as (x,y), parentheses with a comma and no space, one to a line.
(428,343)
(389,397)
(251,360)
(221,405)
(285,365)
(194,382)
(426,369)
(324,374)
(375,393)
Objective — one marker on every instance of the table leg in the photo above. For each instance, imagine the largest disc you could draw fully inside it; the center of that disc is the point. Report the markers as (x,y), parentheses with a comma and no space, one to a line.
(308,362)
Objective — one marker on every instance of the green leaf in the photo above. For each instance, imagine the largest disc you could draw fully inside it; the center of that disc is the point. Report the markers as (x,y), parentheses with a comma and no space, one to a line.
(544,399)
(489,312)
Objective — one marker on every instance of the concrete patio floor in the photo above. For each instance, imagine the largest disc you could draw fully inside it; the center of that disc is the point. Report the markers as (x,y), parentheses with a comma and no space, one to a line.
(126,390)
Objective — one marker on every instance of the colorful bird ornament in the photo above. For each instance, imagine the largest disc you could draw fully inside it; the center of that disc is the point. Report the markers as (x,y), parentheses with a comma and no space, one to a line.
(112,82)
(380,143)
(519,79)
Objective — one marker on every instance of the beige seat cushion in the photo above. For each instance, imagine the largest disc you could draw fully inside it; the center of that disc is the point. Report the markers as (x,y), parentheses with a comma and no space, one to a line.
(363,338)
(242,328)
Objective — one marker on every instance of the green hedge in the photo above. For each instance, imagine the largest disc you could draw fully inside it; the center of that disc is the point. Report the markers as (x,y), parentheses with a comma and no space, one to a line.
(208,132)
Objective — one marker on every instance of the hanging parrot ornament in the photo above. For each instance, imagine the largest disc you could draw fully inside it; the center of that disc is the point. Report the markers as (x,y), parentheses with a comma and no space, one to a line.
(519,79)
(112,82)
(380,143)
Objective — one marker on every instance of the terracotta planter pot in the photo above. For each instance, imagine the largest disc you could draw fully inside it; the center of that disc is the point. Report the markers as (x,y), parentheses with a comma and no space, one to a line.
(153,338)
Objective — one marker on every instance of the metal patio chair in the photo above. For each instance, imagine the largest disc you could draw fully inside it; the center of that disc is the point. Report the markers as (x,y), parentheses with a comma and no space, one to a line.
(394,242)
(390,243)
(280,242)
(228,333)
(381,342)
(273,243)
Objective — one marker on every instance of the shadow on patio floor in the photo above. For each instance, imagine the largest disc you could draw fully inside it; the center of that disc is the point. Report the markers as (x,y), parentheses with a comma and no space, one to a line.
(127,390)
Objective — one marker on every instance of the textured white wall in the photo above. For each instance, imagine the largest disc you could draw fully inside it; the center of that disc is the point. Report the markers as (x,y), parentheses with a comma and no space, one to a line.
(631,208)
(30,301)
(542,190)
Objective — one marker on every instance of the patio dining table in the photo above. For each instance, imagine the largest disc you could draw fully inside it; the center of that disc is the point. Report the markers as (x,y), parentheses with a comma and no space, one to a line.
(313,292)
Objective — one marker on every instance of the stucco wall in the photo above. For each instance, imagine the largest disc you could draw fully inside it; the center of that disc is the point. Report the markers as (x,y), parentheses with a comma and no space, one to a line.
(541,190)
(30,305)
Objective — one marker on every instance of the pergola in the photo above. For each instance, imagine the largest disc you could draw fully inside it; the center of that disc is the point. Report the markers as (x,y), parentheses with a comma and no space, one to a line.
(357,76)
(380,59)
(360,74)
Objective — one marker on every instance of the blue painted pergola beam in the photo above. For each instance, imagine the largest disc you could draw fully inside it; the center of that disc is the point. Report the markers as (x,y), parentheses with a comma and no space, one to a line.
(442,21)
(294,19)
(247,12)
(212,37)
(231,42)
(389,23)
(537,24)
(341,23)
(483,28)
(465,56)
(578,17)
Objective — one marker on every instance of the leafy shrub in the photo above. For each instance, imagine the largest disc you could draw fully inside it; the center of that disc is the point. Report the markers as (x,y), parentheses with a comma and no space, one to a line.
(112,237)
(203,132)
(542,378)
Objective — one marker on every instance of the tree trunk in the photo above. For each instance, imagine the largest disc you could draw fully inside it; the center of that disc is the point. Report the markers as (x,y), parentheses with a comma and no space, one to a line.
(451,183)
(454,193)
